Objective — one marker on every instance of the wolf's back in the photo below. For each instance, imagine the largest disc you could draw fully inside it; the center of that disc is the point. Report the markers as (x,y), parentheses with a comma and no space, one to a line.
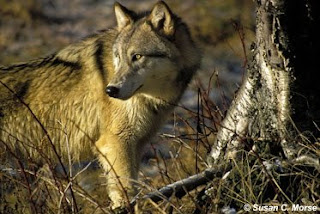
(60,93)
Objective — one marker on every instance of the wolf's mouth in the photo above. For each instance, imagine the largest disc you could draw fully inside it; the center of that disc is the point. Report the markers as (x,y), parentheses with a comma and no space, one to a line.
(138,89)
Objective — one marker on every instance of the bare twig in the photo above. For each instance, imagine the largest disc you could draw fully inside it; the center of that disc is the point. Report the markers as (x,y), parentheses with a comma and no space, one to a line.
(182,187)
(179,188)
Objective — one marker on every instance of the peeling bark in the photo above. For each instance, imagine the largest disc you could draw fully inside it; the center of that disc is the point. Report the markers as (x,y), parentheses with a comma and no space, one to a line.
(235,126)
(279,99)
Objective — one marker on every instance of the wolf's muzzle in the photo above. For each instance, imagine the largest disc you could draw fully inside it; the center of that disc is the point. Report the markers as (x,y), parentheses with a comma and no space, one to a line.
(112,91)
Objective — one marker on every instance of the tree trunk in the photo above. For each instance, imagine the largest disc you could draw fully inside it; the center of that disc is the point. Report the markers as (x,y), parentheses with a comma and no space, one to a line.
(278,101)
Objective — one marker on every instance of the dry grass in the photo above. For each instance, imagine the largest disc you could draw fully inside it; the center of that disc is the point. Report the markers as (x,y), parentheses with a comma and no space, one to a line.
(260,177)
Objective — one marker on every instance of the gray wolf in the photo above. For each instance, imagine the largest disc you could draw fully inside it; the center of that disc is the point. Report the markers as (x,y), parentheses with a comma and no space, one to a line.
(107,94)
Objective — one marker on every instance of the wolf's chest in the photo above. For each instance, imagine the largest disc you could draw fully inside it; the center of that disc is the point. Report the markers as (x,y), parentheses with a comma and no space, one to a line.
(143,118)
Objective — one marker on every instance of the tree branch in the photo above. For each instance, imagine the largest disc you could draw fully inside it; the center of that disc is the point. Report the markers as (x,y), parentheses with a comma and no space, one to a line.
(182,187)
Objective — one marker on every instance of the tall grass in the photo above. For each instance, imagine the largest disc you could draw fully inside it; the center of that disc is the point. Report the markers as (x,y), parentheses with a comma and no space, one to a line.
(261,176)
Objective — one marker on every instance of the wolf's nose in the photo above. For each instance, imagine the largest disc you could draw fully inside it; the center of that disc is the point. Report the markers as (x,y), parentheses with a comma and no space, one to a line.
(112,91)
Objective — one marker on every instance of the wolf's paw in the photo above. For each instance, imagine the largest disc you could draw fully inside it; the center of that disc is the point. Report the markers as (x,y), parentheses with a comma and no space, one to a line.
(121,210)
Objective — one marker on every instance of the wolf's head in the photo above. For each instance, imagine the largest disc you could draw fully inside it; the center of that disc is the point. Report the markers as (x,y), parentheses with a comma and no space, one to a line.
(152,53)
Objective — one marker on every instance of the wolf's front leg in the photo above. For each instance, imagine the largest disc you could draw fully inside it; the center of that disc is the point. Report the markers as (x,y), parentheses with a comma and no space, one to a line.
(120,160)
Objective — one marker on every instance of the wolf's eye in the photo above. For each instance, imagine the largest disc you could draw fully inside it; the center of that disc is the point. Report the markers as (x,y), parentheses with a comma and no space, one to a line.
(136,57)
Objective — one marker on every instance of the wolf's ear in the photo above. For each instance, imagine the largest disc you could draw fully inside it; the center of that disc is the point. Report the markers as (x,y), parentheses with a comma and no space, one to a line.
(123,16)
(162,18)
